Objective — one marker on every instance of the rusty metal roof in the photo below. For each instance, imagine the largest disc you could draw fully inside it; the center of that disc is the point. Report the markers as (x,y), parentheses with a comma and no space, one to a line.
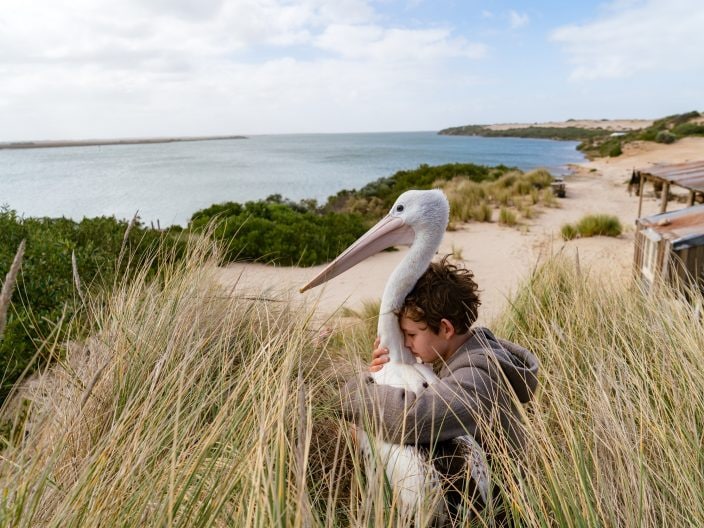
(689,175)
(684,227)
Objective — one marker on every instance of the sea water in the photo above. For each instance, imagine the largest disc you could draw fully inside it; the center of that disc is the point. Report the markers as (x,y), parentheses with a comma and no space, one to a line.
(168,182)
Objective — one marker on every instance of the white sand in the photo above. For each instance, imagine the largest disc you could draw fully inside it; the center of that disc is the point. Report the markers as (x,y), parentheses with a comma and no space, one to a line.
(617,125)
(501,257)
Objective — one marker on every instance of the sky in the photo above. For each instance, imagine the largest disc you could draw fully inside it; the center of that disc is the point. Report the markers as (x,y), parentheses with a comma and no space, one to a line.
(79,69)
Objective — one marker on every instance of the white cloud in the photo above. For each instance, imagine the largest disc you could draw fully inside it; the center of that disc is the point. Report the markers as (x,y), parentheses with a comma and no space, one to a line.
(97,68)
(634,37)
(392,44)
(517,20)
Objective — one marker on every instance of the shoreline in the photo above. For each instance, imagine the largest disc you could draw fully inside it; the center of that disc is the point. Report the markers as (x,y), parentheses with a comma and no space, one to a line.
(16,145)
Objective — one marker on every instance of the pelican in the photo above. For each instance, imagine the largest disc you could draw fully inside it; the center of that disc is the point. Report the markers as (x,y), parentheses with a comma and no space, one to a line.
(418,219)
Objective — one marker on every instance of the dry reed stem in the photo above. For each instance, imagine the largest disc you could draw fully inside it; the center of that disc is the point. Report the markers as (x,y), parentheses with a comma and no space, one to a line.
(9,285)
(125,238)
(76,277)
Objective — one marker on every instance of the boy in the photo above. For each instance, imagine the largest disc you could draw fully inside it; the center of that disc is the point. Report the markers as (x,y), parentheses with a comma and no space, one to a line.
(480,377)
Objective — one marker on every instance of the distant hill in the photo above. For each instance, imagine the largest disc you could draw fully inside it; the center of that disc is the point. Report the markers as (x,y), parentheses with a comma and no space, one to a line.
(597,138)
(570,133)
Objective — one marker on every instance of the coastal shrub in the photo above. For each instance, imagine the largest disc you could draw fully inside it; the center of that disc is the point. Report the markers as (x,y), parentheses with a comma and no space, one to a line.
(615,150)
(507,217)
(688,129)
(569,133)
(276,230)
(665,137)
(45,293)
(593,225)
(675,120)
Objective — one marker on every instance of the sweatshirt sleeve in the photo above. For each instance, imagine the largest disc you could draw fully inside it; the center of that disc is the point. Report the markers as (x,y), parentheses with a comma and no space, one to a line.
(452,406)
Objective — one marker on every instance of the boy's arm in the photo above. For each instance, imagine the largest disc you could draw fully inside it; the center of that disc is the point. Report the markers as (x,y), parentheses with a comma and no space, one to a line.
(448,408)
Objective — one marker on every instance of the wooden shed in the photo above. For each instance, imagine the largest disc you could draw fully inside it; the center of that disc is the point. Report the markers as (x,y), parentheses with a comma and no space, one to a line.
(689,176)
(670,247)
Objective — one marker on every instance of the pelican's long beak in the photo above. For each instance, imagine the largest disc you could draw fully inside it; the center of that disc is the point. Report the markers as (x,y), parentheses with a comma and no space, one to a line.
(389,231)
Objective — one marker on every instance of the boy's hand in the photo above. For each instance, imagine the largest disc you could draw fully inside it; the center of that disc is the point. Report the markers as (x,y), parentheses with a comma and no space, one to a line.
(380,356)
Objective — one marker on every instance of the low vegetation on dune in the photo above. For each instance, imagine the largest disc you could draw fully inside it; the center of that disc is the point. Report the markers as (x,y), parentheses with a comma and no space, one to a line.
(568,133)
(278,230)
(46,295)
(187,407)
(513,192)
(596,142)
(593,225)
(665,130)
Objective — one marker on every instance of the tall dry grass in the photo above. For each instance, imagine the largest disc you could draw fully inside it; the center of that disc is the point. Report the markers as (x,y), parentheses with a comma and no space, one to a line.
(475,201)
(618,425)
(191,406)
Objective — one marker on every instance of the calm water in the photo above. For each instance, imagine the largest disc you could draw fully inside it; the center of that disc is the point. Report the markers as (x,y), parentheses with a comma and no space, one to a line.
(171,181)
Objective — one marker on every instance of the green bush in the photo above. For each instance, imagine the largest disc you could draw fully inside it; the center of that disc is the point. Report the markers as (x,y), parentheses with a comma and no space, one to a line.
(615,150)
(539,132)
(45,292)
(666,137)
(280,231)
(688,129)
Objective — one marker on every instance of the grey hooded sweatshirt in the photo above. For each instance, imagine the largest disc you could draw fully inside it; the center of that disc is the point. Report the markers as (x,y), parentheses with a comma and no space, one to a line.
(476,394)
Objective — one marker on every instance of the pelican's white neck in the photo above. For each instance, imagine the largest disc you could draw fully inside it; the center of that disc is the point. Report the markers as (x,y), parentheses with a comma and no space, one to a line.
(399,285)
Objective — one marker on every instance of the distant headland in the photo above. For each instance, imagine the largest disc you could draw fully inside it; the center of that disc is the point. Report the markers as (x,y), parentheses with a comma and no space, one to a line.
(99,142)
(597,138)
(612,125)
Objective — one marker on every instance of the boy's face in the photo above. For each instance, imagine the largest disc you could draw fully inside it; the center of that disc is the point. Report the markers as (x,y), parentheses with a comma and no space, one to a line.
(422,341)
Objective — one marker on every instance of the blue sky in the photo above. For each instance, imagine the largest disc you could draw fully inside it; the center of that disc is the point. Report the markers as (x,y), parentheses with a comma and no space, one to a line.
(99,68)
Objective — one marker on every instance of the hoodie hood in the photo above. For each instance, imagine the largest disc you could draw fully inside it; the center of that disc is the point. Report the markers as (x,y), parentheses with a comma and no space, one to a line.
(519,365)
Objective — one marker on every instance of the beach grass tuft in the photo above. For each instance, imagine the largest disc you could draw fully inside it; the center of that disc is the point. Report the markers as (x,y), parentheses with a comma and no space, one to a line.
(593,225)
(507,217)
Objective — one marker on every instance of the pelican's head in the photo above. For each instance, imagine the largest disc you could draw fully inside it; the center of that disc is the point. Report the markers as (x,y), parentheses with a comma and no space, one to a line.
(422,211)
(414,215)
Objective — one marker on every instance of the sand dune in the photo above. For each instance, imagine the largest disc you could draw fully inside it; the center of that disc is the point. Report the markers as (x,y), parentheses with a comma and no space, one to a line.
(617,125)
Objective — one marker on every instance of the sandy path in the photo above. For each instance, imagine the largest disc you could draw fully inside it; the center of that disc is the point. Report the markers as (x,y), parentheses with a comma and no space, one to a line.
(500,257)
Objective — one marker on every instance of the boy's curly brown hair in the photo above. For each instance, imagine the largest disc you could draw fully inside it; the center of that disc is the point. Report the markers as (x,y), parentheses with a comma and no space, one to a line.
(444,291)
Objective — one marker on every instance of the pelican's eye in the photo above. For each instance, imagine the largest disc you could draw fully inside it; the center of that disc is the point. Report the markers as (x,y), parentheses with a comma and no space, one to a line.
(399,208)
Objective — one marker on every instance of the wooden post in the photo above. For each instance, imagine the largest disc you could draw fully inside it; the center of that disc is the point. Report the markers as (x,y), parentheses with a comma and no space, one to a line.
(690,201)
(665,193)
(640,193)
